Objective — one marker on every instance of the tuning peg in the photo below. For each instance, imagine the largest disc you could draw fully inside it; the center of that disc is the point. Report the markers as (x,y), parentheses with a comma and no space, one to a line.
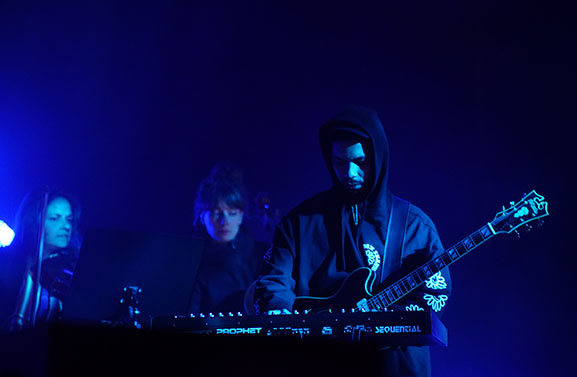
(201,315)
(220,315)
(211,315)
(239,314)
(230,314)
(191,315)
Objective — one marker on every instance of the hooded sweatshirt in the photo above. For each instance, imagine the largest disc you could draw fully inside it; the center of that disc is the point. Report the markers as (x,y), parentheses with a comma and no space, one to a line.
(328,236)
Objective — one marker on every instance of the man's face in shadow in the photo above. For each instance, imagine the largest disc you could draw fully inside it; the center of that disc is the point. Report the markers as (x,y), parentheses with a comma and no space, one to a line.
(352,164)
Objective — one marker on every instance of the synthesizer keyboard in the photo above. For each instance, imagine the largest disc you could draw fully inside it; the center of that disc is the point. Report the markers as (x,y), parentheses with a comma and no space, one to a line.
(398,328)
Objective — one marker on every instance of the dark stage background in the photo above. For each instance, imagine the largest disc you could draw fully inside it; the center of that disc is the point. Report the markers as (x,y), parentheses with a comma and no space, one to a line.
(129,104)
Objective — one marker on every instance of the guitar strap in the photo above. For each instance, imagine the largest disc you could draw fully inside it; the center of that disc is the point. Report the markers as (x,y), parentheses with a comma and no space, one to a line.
(396,230)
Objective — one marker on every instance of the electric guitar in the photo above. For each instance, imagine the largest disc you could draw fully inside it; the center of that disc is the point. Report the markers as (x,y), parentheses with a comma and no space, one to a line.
(356,289)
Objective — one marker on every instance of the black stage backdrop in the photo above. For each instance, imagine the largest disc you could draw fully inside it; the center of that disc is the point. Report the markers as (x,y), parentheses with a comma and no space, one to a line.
(129,104)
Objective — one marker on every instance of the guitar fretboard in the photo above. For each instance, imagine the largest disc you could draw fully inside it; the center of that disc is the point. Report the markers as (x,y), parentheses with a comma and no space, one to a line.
(409,282)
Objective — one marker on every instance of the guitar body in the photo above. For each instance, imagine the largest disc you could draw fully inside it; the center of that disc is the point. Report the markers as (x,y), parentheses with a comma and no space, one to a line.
(356,287)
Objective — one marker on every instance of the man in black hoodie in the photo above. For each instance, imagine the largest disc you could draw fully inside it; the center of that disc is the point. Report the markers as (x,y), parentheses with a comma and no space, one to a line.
(351,225)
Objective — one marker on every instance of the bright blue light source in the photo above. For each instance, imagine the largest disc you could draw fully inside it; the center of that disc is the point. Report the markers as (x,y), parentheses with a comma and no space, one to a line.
(6,234)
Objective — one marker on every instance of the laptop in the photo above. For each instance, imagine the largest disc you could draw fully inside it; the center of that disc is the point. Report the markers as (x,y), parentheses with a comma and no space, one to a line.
(162,266)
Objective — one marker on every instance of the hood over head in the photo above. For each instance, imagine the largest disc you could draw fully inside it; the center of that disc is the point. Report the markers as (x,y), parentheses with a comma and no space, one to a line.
(361,217)
(365,123)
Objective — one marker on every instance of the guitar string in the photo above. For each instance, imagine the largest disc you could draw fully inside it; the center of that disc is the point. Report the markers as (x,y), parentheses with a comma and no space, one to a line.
(405,286)
(468,244)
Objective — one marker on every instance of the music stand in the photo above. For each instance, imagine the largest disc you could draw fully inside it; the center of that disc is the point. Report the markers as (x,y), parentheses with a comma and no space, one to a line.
(163,266)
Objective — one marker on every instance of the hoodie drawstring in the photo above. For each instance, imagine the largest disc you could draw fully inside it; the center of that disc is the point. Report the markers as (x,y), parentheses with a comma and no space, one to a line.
(355,212)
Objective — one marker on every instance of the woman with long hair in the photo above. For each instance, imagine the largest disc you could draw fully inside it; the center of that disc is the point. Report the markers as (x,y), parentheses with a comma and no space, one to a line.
(46,228)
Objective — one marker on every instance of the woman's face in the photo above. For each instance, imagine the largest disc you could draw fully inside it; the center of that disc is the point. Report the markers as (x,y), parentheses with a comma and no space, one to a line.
(58,224)
(222,222)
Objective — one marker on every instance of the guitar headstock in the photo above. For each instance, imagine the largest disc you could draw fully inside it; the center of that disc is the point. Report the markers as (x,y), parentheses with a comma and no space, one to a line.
(530,208)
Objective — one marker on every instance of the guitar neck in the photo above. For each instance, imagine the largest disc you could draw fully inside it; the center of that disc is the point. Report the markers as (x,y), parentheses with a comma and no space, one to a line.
(411,281)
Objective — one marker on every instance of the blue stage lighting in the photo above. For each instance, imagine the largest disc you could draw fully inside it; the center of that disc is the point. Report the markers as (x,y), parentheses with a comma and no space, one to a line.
(6,234)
